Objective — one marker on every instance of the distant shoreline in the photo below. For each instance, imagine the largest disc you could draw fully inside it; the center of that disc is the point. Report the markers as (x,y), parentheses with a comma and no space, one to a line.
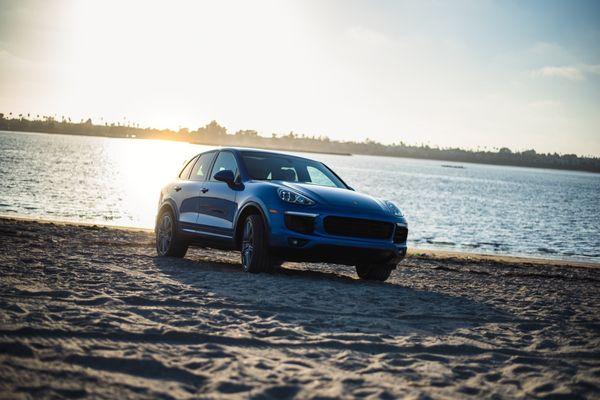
(216,135)
(279,148)
(292,149)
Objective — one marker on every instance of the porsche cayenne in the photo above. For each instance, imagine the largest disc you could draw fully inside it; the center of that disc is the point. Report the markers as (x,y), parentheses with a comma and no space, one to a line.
(276,207)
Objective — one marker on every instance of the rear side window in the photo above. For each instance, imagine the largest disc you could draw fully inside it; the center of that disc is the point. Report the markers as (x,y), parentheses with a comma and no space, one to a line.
(200,170)
(225,160)
(185,172)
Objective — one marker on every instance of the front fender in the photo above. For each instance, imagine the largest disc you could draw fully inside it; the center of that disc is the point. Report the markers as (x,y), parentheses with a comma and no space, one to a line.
(254,203)
(257,203)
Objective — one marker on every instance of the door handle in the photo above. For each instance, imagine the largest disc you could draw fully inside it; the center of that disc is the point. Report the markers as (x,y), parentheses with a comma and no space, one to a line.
(177,188)
(204,190)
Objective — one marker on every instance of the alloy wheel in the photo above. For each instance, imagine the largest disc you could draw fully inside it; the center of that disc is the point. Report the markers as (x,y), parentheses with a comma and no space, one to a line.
(165,234)
(247,245)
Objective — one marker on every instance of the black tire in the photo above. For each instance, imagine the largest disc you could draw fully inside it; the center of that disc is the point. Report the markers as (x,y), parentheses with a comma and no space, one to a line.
(374,272)
(255,252)
(168,242)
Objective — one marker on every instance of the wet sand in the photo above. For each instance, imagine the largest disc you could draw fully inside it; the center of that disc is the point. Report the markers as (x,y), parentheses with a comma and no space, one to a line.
(89,311)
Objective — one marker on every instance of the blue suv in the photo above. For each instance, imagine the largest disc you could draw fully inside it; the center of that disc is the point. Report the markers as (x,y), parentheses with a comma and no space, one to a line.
(276,207)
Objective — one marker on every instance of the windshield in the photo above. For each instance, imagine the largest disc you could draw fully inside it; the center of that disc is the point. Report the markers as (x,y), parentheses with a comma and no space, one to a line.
(279,167)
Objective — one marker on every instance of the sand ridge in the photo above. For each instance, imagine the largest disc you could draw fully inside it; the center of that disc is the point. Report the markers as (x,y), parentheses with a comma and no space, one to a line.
(89,311)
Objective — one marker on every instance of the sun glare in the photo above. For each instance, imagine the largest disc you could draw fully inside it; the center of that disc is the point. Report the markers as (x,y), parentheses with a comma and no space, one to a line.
(159,62)
(143,179)
(416,72)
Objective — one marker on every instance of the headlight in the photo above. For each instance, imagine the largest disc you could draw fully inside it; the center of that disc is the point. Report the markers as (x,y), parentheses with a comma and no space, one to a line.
(294,198)
(393,208)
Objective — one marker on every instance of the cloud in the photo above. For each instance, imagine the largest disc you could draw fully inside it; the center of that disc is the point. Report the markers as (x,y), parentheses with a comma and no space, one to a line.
(544,105)
(545,48)
(369,37)
(591,69)
(572,73)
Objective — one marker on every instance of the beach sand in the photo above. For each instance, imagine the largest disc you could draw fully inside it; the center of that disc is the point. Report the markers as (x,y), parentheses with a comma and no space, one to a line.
(89,311)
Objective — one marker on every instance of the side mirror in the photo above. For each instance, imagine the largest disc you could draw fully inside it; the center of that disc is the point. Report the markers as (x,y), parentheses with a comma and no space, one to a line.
(225,176)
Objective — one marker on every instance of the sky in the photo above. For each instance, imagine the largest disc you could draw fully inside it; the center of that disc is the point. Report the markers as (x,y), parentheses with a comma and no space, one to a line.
(471,74)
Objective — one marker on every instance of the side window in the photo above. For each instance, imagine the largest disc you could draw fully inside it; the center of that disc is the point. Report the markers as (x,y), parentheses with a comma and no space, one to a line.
(201,167)
(319,178)
(185,172)
(225,160)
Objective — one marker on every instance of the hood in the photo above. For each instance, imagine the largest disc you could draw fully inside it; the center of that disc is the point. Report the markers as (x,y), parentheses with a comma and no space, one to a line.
(337,197)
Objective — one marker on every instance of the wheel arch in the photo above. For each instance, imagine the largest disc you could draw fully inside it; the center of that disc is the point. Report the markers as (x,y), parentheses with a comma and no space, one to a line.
(250,207)
(167,205)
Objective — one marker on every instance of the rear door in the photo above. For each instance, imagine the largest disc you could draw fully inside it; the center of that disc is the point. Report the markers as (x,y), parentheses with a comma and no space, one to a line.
(188,190)
(183,189)
(218,200)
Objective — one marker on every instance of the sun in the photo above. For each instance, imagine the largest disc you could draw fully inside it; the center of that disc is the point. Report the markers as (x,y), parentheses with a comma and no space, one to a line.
(173,64)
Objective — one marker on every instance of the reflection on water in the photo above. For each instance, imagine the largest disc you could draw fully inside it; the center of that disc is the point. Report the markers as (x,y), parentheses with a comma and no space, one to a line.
(478,208)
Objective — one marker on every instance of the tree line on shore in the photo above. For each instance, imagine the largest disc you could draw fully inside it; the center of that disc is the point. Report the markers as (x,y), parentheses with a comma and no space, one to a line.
(215,134)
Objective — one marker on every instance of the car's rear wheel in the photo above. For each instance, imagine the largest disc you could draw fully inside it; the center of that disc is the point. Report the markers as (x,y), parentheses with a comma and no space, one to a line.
(374,272)
(168,243)
(255,252)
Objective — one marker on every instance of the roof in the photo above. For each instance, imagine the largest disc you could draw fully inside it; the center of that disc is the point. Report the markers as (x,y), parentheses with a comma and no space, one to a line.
(267,151)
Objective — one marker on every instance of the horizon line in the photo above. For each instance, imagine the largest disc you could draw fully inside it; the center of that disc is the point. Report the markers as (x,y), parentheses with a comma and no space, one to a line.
(133,125)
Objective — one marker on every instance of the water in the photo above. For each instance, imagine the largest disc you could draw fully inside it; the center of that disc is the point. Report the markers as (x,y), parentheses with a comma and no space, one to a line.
(483,209)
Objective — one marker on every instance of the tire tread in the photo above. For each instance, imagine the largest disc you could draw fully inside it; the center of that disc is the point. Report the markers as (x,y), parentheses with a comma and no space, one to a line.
(179,247)
(261,262)
(374,272)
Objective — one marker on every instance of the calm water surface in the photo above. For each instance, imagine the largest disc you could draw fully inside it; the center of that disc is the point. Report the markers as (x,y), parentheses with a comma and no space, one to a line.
(484,209)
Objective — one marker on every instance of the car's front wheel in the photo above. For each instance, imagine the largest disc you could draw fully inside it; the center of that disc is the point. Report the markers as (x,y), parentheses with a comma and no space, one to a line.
(168,243)
(374,272)
(255,252)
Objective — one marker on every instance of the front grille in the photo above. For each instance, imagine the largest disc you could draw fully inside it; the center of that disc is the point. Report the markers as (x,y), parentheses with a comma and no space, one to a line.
(300,223)
(400,234)
(359,228)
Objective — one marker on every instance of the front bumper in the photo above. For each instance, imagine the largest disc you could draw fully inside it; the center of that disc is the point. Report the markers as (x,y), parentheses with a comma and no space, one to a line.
(320,246)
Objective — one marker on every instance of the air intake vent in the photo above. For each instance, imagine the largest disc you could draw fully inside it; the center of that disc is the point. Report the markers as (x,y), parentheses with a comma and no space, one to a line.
(400,234)
(300,223)
(359,228)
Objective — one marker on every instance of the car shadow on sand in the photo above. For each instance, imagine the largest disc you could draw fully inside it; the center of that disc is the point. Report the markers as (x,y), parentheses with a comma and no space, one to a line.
(318,300)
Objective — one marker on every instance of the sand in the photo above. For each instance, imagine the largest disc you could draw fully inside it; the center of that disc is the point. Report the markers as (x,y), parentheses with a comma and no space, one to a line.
(90,312)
